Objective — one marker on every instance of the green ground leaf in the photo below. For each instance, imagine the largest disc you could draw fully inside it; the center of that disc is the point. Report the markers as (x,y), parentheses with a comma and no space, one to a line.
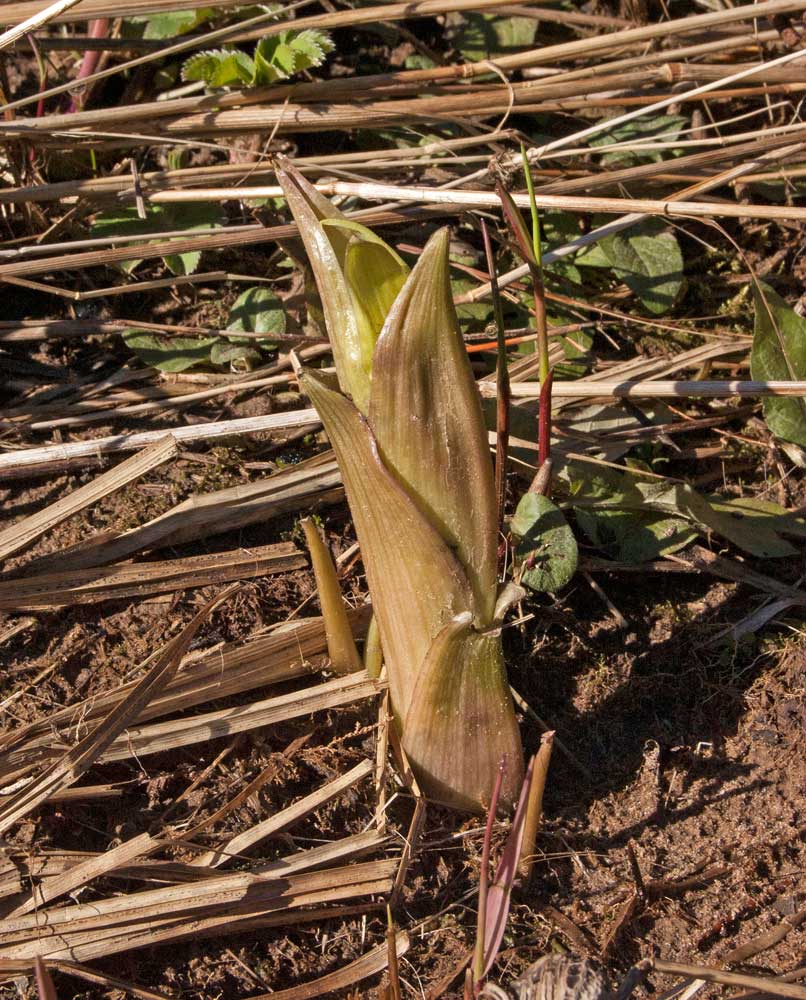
(547,551)
(647,259)
(169,354)
(165,218)
(661,128)
(779,352)
(485,36)
(630,536)
(257,310)
(219,68)
(174,22)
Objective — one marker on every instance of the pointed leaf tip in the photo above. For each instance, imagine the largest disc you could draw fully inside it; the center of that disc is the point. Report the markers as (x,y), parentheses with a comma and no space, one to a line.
(439,453)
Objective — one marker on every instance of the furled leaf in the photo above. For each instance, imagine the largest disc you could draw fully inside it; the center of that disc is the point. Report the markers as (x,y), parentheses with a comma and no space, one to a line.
(547,551)
(461,721)
(647,259)
(426,414)
(169,354)
(416,582)
(341,647)
(499,895)
(779,352)
(326,252)
(374,272)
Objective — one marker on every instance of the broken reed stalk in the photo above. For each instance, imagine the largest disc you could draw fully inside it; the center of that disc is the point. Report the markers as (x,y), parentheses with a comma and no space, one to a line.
(414,194)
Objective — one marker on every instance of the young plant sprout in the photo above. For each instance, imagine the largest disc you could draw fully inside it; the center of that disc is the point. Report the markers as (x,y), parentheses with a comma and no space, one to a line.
(405,421)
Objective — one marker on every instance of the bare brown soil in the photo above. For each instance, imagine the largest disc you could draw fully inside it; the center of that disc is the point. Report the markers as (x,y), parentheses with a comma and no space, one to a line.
(680,746)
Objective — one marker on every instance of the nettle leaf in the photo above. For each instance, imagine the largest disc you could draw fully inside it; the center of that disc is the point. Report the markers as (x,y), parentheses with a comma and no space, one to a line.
(779,352)
(662,128)
(648,259)
(169,354)
(485,36)
(219,68)
(547,551)
(632,536)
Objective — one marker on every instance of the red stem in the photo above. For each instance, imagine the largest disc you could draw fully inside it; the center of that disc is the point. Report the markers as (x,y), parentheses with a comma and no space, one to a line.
(97,29)
(544,421)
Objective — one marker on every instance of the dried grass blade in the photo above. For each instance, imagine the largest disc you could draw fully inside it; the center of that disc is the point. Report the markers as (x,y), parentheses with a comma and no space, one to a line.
(24,532)
(229,721)
(95,867)
(218,673)
(284,819)
(52,590)
(120,923)
(315,481)
(371,964)
(73,764)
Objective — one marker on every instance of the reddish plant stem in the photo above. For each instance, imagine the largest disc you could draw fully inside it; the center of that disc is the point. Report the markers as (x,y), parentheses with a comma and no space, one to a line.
(544,421)
(97,29)
(484,881)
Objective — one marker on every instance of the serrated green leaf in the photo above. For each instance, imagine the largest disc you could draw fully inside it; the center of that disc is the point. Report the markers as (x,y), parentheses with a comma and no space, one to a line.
(220,68)
(426,414)
(169,354)
(779,352)
(268,67)
(547,551)
(311,46)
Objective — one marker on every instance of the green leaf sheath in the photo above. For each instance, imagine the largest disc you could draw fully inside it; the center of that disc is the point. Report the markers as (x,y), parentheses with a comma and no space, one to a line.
(426,415)
(462,701)
(416,582)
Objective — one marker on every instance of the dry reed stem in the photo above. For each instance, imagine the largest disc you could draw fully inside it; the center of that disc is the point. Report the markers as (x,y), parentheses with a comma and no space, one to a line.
(30,458)
(83,586)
